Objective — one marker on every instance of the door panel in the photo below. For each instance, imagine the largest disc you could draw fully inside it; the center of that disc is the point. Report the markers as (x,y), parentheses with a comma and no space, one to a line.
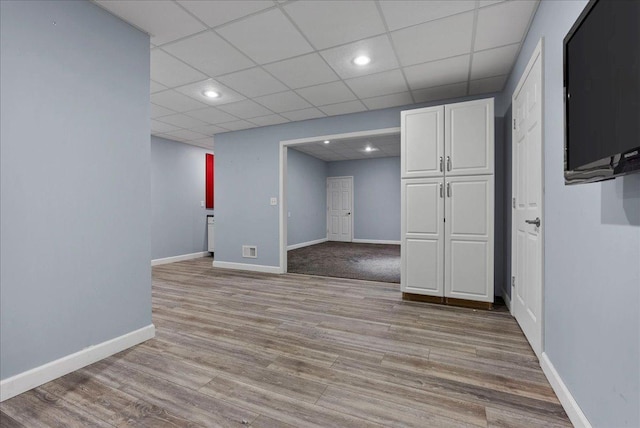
(422,250)
(422,142)
(469,138)
(339,209)
(526,264)
(469,239)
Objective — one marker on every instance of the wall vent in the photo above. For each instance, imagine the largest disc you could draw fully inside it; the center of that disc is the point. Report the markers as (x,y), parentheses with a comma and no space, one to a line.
(250,251)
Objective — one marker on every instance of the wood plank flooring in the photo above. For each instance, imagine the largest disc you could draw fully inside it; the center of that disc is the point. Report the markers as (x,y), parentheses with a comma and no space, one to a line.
(247,349)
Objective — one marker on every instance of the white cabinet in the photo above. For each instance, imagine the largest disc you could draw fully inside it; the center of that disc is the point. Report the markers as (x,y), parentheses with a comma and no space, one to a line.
(423,236)
(448,201)
(468,242)
(422,142)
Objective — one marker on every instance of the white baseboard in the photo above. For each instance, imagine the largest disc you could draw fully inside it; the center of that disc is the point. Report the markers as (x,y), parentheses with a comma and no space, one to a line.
(180,258)
(306,244)
(507,299)
(246,266)
(30,379)
(577,418)
(375,241)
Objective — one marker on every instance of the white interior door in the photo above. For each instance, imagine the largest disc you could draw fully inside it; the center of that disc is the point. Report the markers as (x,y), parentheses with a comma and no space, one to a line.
(422,250)
(340,209)
(526,243)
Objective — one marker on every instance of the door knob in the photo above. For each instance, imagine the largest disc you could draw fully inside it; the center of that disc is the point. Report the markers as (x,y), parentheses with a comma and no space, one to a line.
(536,221)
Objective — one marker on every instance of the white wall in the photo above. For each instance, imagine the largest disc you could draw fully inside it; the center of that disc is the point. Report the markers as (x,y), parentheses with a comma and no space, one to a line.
(75,200)
(592,254)
(178,222)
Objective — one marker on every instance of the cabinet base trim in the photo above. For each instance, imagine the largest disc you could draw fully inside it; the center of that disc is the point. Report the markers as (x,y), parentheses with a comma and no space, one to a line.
(412,297)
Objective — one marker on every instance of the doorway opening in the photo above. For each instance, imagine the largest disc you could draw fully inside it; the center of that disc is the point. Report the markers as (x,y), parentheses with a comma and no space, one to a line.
(338,214)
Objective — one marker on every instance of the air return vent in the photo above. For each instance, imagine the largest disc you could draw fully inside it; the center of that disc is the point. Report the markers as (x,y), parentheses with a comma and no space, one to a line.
(250,251)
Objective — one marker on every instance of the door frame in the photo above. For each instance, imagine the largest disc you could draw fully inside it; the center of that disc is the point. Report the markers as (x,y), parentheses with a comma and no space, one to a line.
(537,52)
(282,223)
(352,215)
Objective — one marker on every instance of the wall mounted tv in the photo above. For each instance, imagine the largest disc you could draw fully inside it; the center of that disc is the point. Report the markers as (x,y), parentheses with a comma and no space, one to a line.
(602,92)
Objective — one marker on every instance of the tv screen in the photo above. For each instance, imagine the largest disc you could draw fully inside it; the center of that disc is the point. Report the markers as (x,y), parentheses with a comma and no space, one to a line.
(602,91)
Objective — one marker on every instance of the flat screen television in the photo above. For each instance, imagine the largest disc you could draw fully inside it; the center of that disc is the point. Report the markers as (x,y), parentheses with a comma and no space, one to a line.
(602,92)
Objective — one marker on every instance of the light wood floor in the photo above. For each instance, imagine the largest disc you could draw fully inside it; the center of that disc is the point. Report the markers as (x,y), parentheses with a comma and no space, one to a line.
(236,349)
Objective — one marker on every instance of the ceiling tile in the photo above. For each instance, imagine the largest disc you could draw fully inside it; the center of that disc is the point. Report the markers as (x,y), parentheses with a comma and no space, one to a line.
(163,20)
(161,127)
(171,72)
(245,109)
(266,37)
(158,111)
(209,53)
(438,73)
(205,143)
(378,48)
(212,115)
(182,121)
(272,119)
(195,90)
(283,101)
(494,62)
(304,114)
(328,93)
(209,130)
(306,70)
(185,134)
(503,24)
(434,40)
(237,125)
(440,92)
(343,108)
(388,82)
(484,86)
(175,101)
(156,87)
(484,3)
(400,14)
(386,101)
(214,13)
(253,82)
(329,23)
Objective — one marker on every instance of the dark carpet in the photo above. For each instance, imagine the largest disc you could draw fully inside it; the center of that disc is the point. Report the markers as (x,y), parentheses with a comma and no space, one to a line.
(372,262)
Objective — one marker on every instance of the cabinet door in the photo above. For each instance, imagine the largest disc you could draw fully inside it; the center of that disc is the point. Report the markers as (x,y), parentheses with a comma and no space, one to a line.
(469,237)
(469,138)
(422,248)
(422,142)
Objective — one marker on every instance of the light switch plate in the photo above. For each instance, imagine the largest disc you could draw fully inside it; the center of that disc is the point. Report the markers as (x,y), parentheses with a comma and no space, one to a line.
(202,204)
(274,201)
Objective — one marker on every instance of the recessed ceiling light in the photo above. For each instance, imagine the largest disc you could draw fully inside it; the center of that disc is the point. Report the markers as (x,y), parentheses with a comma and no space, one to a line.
(326,141)
(368,149)
(209,93)
(361,60)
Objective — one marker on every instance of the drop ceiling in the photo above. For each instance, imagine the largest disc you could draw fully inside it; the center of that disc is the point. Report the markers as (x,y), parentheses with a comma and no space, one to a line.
(380,146)
(281,61)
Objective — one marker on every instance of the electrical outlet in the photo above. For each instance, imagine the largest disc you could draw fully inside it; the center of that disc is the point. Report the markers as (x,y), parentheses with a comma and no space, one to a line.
(289,214)
(274,201)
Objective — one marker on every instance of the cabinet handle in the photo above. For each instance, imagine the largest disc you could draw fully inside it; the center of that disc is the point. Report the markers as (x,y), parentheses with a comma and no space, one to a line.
(441,164)
(449,190)
(441,194)
(448,163)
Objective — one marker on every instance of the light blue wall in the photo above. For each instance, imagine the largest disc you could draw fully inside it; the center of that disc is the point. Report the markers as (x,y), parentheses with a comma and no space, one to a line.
(592,255)
(247,171)
(306,198)
(178,222)
(376,196)
(74,162)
